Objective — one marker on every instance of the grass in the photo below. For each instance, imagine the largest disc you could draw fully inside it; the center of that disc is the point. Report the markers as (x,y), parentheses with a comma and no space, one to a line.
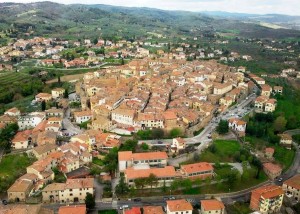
(238,208)
(284,156)
(107,212)
(97,161)
(12,167)
(225,149)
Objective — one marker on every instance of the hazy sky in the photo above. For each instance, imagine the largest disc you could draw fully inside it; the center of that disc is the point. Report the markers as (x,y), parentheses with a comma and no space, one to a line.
(289,7)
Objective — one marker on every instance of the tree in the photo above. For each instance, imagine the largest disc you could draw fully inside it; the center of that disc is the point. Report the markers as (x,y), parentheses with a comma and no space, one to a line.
(157,133)
(122,187)
(43,105)
(145,146)
(95,41)
(152,180)
(90,201)
(111,160)
(223,127)
(231,178)
(280,123)
(176,132)
(66,94)
(140,183)
(129,145)
(58,80)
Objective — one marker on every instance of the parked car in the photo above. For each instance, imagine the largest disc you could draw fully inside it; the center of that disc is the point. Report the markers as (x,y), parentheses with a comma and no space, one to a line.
(137,199)
(124,207)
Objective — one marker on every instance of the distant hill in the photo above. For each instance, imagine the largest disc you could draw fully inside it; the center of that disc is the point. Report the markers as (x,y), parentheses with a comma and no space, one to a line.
(91,21)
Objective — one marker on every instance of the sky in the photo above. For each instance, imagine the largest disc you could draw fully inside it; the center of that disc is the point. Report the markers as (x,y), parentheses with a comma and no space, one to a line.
(288,7)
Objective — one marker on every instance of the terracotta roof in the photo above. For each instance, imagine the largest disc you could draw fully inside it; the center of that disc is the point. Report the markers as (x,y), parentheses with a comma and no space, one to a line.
(153,210)
(22,136)
(273,168)
(133,210)
(168,171)
(169,115)
(270,150)
(80,183)
(76,209)
(285,137)
(128,155)
(54,187)
(179,205)
(197,167)
(12,110)
(294,182)
(269,191)
(20,186)
(208,205)
(82,113)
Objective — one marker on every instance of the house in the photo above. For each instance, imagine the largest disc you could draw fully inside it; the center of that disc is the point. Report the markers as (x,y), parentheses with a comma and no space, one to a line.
(25,209)
(74,190)
(6,119)
(239,126)
(165,176)
(200,170)
(30,121)
(286,140)
(179,206)
(212,206)
(14,112)
(267,199)
(266,90)
(226,101)
(20,190)
(82,116)
(272,170)
(153,210)
(170,119)
(128,159)
(21,140)
(270,105)
(43,97)
(178,144)
(278,89)
(222,88)
(57,92)
(269,152)
(102,123)
(76,209)
(123,116)
(147,120)
(54,112)
(42,151)
(292,187)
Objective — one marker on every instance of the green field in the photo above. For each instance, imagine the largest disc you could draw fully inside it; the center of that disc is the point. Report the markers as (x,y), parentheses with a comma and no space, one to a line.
(225,150)
(107,212)
(12,167)
(284,156)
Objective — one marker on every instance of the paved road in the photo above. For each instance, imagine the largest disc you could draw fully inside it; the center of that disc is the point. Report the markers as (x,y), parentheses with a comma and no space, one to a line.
(69,126)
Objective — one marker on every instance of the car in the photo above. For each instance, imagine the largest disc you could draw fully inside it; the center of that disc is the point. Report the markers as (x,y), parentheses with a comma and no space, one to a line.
(280,179)
(4,202)
(137,199)
(172,198)
(160,142)
(124,206)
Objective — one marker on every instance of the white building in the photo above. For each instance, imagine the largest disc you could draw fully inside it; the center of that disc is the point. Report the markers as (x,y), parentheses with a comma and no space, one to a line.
(31,120)
(123,116)
(180,206)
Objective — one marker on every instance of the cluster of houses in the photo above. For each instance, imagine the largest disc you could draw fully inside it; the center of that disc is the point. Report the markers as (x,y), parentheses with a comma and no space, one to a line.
(162,93)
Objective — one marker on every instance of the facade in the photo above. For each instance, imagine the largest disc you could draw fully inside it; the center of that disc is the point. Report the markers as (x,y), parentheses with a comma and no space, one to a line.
(82,116)
(20,191)
(267,199)
(178,144)
(43,97)
(128,159)
(57,93)
(237,125)
(30,121)
(220,89)
(54,112)
(21,140)
(14,112)
(286,140)
(123,116)
(292,187)
(212,206)
(179,207)
(145,120)
(74,190)
(200,170)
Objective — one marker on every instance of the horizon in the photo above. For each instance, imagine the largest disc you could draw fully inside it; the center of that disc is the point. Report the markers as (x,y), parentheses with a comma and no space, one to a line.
(255,7)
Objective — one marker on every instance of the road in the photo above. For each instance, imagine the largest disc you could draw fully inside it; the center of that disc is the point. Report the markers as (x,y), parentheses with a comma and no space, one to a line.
(203,137)
(71,129)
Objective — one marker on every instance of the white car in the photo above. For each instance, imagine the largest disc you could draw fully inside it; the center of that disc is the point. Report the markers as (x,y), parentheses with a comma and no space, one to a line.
(124,207)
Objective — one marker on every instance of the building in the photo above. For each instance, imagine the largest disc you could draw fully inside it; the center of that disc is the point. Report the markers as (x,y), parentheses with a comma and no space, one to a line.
(14,112)
(267,199)
(146,120)
(76,209)
(272,170)
(128,159)
(178,144)
(54,112)
(292,187)
(57,93)
(153,210)
(132,210)
(43,97)
(270,105)
(278,89)
(74,190)
(239,126)
(269,152)
(266,90)
(123,116)
(221,89)
(20,190)
(82,116)
(21,140)
(212,206)
(200,170)
(286,140)
(179,206)
(165,176)
(30,121)
(24,209)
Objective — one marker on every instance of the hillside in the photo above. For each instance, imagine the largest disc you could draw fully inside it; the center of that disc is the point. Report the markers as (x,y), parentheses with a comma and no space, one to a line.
(79,21)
